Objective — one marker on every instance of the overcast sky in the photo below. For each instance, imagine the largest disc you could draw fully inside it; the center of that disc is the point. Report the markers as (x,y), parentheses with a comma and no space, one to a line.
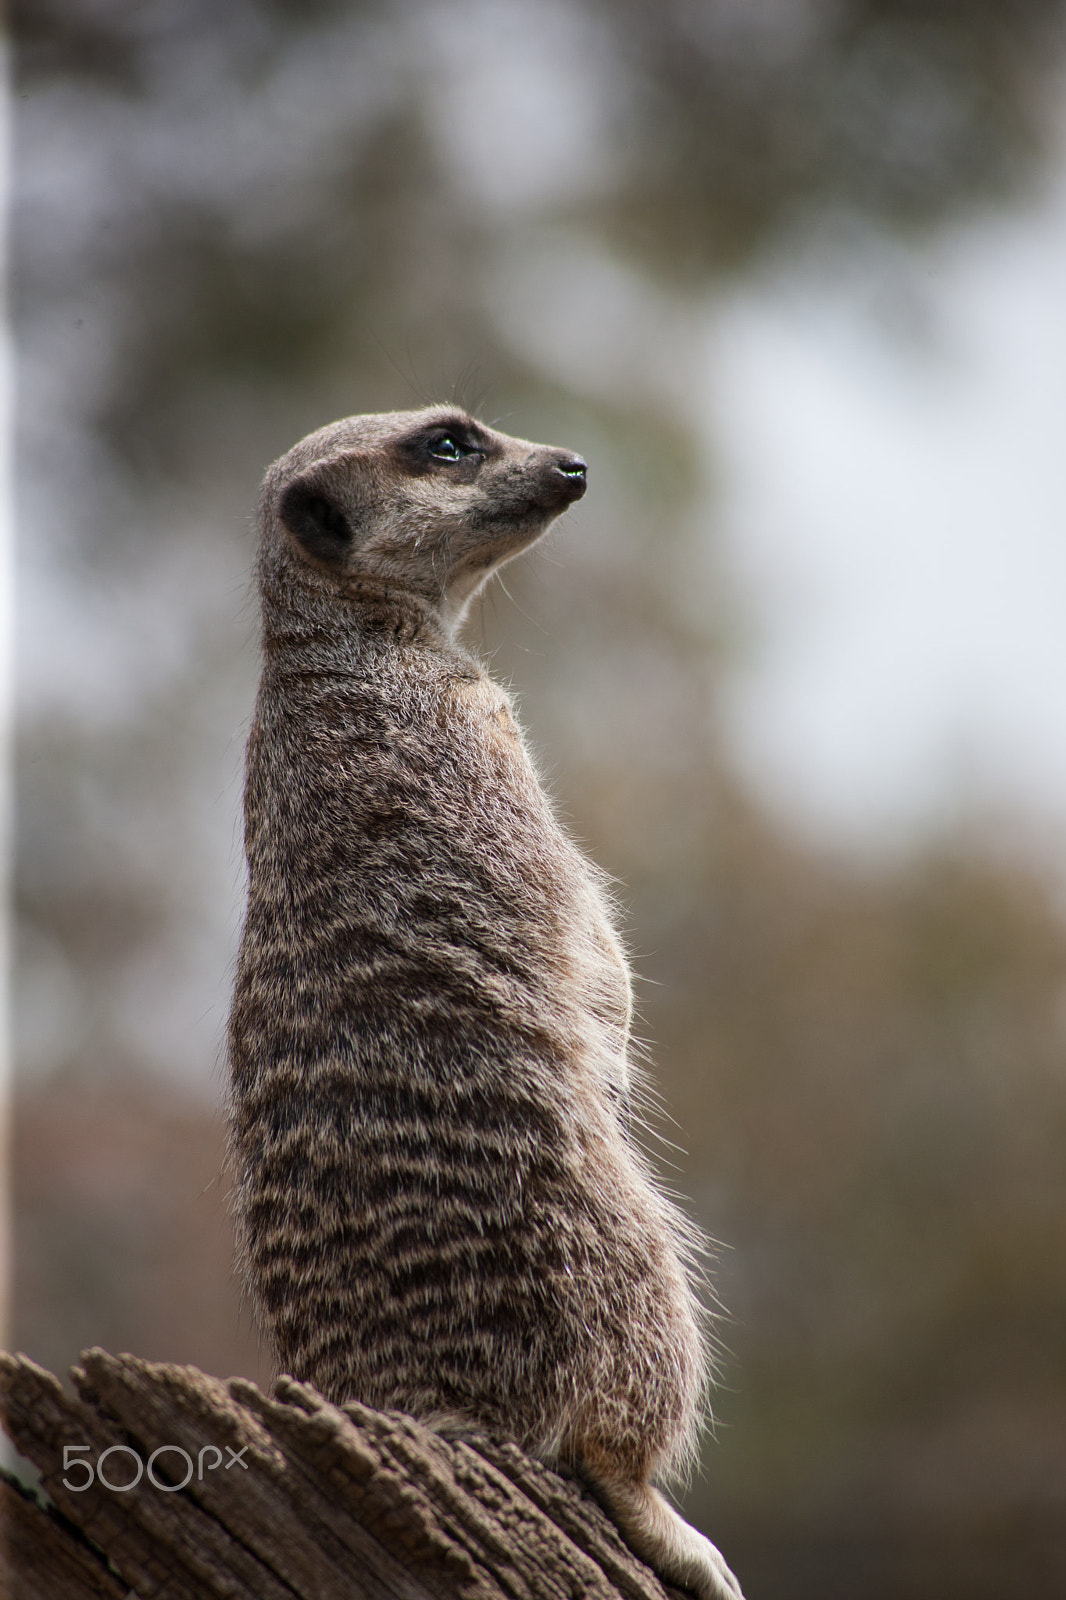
(889,427)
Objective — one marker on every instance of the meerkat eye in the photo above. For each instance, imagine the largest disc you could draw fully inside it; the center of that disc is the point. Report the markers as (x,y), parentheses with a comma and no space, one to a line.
(447,449)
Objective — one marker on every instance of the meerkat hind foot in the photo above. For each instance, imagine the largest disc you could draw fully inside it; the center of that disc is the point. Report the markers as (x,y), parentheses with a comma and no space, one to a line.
(657,1533)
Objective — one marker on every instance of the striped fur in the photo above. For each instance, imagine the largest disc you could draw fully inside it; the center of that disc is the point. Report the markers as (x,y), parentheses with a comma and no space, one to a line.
(440,1208)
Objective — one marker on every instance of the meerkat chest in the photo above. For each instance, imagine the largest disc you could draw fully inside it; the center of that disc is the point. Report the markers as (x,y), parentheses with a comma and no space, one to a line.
(594,958)
(481,714)
(489,709)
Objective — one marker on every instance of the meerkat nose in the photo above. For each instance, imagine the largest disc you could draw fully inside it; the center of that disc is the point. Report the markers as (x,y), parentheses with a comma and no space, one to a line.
(573,469)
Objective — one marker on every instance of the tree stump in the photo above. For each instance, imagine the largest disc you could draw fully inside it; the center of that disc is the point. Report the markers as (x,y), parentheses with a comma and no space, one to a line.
(167,1483)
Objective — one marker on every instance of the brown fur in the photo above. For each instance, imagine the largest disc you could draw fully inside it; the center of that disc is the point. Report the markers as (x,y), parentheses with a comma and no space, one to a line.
(441,1210)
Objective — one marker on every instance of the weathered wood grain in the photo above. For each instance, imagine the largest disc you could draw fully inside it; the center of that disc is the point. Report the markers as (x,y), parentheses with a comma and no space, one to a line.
(287,1498)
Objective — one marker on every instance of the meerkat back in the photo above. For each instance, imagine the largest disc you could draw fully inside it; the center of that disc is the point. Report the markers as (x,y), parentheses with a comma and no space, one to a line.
(439,1206)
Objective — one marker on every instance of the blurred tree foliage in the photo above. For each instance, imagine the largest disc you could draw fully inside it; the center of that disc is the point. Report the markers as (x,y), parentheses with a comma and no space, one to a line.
(233,223)
(748,114)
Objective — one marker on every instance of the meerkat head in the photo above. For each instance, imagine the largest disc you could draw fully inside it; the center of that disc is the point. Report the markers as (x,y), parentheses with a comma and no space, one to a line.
(427,503)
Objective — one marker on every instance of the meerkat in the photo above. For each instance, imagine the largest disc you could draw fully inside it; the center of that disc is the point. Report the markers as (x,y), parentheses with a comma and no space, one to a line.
(440,1206)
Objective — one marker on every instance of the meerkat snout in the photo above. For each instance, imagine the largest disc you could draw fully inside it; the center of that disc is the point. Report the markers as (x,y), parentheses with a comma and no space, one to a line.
(574,470)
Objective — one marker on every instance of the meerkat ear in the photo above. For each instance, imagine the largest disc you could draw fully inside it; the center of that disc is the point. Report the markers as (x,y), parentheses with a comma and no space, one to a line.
(315,520)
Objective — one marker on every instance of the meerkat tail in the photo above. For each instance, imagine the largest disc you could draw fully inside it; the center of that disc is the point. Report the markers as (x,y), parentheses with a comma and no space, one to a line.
(659,1535)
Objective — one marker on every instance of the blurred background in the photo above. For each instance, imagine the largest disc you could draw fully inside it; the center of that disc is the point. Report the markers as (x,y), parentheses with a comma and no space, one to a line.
(792,275)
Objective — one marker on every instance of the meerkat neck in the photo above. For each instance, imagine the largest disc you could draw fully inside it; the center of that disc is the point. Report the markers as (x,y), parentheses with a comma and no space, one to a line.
(300,615)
